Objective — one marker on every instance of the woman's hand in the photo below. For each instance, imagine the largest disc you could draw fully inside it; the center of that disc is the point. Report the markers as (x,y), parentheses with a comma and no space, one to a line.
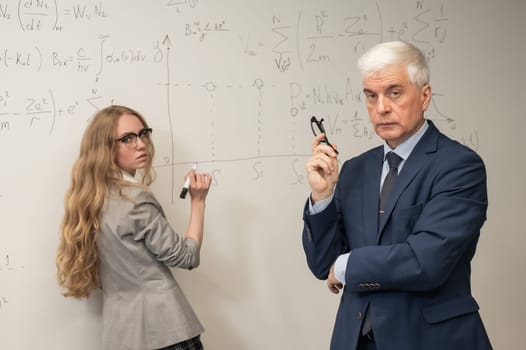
(199,185)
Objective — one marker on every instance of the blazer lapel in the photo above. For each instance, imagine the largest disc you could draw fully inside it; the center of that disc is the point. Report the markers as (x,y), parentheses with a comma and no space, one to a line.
(371,191)
(416,161)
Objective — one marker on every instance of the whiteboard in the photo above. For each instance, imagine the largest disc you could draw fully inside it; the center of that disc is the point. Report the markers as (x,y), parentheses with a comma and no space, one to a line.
(232,85)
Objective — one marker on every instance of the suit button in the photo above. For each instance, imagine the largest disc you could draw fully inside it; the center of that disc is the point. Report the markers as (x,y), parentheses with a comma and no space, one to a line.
(360,315)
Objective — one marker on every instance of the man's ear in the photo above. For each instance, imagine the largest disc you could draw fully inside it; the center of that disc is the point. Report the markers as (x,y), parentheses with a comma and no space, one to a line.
(426,96)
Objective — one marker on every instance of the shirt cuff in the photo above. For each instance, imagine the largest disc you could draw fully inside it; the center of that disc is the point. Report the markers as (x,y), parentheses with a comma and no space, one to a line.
(319,206)
(340,267)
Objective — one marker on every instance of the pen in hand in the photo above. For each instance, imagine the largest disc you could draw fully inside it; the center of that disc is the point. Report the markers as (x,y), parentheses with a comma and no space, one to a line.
(186,185)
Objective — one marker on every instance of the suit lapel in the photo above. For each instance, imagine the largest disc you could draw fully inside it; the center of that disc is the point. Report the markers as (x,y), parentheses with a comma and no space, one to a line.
(373,172)
(416,161)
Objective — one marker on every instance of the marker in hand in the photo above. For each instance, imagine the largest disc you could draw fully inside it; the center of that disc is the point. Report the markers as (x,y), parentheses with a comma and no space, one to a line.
(320,129)
(186,185)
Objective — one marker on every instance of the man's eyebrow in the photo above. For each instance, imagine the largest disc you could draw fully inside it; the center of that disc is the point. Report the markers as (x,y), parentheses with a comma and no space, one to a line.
(395,86)
(390,87)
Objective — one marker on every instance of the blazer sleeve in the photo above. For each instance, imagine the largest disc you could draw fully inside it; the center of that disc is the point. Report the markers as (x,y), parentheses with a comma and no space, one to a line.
(443,237)
(322,238)
(149,225)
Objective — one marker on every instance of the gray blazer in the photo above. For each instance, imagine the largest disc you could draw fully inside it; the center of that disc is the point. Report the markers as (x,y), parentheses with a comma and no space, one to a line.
(143,306)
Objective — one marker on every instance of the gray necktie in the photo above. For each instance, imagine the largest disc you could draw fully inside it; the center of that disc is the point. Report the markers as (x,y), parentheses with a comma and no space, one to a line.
(394,161)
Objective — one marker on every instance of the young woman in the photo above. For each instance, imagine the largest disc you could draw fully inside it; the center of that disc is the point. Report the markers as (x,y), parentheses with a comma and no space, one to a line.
(115,236)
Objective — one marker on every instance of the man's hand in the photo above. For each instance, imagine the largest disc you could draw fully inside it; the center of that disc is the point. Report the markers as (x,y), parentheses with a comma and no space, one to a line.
(332,283)
(322,169)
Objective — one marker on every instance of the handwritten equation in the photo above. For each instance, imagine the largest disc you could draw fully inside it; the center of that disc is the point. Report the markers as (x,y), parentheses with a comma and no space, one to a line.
(6,264)
(77,59)
(291,45)
(39,15)
(311,38)
(33,111)
(3,302)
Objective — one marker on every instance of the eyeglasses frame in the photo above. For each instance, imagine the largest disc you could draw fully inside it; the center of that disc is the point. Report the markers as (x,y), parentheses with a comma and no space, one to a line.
(144,134)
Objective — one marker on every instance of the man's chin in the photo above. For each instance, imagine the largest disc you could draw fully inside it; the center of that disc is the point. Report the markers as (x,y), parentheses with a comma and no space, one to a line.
(387,132)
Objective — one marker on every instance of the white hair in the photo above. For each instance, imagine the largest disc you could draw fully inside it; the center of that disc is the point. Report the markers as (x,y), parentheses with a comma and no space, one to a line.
(390,53)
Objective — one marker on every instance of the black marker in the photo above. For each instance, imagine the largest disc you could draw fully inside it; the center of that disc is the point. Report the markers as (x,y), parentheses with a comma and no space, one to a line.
(319,125)
(186,185)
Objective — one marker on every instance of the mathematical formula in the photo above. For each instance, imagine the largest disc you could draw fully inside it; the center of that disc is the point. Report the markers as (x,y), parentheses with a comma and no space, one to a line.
(290,44)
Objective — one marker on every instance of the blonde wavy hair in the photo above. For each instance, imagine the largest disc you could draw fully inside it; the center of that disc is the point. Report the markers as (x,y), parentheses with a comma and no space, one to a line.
(94,174)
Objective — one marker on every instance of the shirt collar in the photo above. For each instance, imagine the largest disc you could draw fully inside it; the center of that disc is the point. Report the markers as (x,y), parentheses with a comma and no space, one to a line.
(405,148)
(127,177)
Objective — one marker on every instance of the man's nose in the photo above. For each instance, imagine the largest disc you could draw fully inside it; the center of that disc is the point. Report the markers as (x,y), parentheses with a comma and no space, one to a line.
(384,105)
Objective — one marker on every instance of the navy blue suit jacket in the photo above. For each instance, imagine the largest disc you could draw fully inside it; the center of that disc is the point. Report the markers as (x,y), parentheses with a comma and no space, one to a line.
(413,269)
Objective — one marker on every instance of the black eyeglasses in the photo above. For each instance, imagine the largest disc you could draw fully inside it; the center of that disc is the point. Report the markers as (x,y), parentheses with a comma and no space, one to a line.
(130,139)
(317,128)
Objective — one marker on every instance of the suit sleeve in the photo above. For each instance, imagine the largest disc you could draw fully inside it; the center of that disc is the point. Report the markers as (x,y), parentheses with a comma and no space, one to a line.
(444,235)
(323,240)
(150,226)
